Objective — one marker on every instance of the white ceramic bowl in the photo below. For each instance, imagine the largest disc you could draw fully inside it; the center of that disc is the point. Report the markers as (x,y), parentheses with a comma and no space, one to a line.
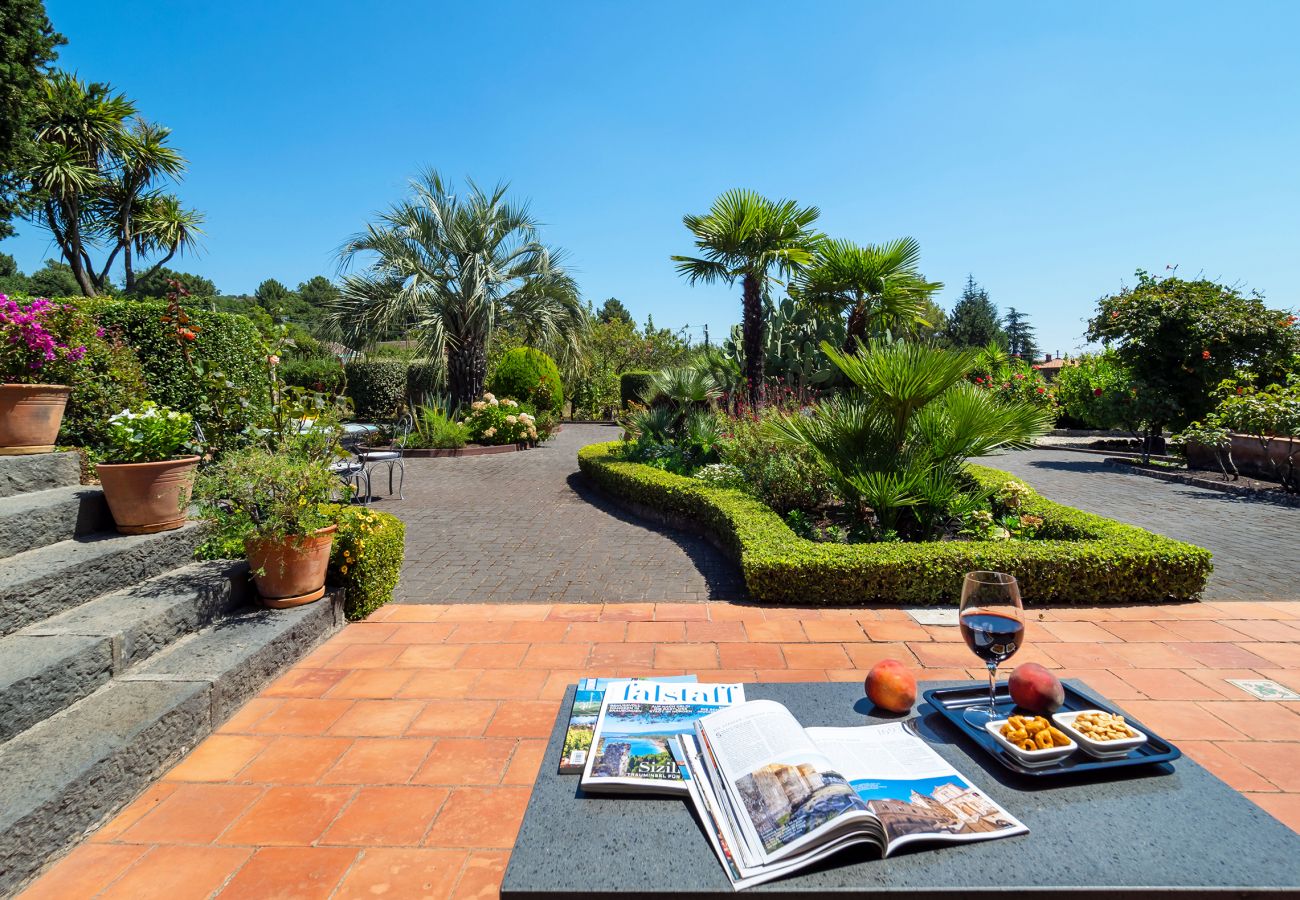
(1101,749)
(1031,758)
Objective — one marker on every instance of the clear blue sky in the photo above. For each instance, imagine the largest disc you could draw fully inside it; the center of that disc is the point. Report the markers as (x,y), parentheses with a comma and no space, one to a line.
(1047,148)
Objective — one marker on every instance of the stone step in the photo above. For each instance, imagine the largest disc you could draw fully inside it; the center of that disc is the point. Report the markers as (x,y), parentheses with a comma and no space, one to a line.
(54,663)
(38,472)
(72,772)
(49,580)
(28,521)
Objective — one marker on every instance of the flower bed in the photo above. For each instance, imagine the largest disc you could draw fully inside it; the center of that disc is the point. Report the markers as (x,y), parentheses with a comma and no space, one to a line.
(1078,558)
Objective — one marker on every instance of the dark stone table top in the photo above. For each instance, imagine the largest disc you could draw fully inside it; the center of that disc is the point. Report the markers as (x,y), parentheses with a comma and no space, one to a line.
(1171,828)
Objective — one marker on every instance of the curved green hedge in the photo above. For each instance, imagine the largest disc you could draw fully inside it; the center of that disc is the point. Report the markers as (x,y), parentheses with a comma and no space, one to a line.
(1082,558)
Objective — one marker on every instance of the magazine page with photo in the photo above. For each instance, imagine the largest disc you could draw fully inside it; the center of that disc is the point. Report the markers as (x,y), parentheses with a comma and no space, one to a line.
(582,719)
(631,741)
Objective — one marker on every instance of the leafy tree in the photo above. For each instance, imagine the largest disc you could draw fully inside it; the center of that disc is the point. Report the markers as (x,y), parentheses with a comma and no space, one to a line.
(155,284)
(316,294)
(272,294)
(1020,335)
(452,266)
(748,237)
(27,48)
(878,285)
(54,279)
(1099,392)
(610,349)
(973,321)
(1178,339)
(612,309)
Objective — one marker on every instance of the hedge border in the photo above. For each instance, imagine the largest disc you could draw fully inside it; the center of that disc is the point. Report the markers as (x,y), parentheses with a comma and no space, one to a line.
(1085,558)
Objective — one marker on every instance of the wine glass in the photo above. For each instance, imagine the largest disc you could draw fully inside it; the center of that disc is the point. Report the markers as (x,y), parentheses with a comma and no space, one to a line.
(993,624)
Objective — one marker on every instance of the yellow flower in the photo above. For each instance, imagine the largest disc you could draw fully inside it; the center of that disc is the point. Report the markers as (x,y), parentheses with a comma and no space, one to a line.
(302,501)
(343,569)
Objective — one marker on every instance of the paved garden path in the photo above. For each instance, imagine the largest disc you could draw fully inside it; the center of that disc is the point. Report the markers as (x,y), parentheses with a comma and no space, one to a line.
(524,527)
(1256,544)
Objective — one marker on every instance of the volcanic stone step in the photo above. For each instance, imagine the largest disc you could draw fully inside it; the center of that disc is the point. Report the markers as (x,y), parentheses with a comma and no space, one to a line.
(52,664)
(38,472)
(28,521)
(47,581)
(239,654)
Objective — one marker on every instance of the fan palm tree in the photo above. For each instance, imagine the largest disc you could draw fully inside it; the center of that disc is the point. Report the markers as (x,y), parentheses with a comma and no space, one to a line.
(748,237)
(877,284)
(453,267)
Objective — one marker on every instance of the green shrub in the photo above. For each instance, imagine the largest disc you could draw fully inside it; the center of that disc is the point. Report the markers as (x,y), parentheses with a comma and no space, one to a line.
(632,387)
(529,376)
(493,421)
(377,388)
(316,373)
(782,476)
(433,428)
(367,557)
(1079,558)
(109,380)
(149,434)
(423,379)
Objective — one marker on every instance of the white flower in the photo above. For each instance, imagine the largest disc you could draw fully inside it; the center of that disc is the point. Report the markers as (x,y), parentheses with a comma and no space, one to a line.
(477,405)
(524,417)
(489,398)
(512,419)
(489,432)
(511,403)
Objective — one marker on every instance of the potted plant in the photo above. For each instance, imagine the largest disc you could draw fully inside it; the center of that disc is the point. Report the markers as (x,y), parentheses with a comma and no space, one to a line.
(34,353)
(272,502)
(147,478)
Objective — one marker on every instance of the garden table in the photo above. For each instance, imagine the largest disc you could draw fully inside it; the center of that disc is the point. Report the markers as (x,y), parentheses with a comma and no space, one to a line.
(1167,829)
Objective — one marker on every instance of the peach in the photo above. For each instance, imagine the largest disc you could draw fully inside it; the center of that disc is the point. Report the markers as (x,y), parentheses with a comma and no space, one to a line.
(1035,689)
(891,686)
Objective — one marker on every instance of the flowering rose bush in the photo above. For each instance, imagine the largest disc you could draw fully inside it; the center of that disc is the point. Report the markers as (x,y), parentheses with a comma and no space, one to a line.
(39,340)
(1018,382)
(493,421)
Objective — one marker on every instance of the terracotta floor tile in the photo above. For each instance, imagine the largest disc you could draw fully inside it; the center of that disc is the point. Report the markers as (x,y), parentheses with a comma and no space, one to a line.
(656,632)
(536,632)
(727,676)
(686,656)
(377,718)
(366,656)
(1217,681)
(439,683)
(1167,684)
(1222,656)
(193,814)
(815,656)
(484,818)
(627,612)
(1119,656)
(1109,684)
(146,803)
(304,682)
(250,714)
(306,717)
(379,761)
(780,631)
(714,632)
(895,631)
(177,873)
(420,633)
(480,633)
(295,760)
(1259,720)
(751,656)
(494,656)
(1181,720)
(574,612)
(522,684)
(1204,631)
(301,873)
(1278,762)
(367,632)
(800,613)
(1137,632)
(525,763)
(951,634)
(735,612)
(370,683)
(864,656)
(942,655)
(429,656)
(835,631)
(320,656)
(387,816)
(1285,655)
(783,675)
(1264,630)
(453,718)
(288,816)
(218,758)
(622,655)
(1288,677)
(85,871)
(596,632)
(415,612)
(681,612)
(524,719)
(1283,807)
(1079,632)
(402,874)
(557,681)
(482,877)
(1224,766)
(557,656)
(478,761)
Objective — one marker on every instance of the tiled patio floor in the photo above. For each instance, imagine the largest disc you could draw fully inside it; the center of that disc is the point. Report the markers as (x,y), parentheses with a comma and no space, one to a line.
(396,760)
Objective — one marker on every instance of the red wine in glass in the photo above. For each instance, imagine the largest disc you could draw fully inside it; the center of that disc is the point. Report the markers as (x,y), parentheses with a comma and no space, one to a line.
(993,624)
(991,637)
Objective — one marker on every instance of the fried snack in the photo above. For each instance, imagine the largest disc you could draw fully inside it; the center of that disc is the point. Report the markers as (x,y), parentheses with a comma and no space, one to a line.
(1033,733)
(1102,726)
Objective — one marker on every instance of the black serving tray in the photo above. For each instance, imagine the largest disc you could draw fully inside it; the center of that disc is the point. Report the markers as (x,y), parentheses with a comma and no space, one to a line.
(951,703)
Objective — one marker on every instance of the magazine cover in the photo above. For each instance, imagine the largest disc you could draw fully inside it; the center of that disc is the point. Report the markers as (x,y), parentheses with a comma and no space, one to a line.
(582,719)
(630,749)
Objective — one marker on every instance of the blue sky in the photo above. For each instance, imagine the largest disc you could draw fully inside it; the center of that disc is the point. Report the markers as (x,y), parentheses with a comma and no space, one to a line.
(1049,149)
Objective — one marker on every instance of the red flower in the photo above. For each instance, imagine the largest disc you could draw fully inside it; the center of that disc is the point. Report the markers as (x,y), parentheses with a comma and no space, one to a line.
(1115,314)
(1205,354)
(1096,392)
(1041,389)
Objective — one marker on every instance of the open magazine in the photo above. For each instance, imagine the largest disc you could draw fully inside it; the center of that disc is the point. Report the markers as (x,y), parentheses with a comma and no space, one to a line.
(631,745)
(775,797)
(582,719)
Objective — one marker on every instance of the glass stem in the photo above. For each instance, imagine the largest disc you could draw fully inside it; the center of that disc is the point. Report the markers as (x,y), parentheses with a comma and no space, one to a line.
(993,674)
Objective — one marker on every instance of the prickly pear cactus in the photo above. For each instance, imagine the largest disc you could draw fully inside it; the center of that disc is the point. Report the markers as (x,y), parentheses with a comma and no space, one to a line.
(792,334)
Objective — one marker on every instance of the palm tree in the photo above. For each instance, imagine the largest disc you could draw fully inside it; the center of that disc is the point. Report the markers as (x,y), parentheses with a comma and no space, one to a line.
(878,284)
(453,267)
(749,237)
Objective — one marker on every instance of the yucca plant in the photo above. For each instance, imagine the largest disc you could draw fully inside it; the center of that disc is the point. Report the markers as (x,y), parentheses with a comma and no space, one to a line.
(896,445)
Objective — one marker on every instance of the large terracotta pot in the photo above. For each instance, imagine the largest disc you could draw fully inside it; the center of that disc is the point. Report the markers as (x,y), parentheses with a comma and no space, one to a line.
(148,497)
(30,415)
(292,569)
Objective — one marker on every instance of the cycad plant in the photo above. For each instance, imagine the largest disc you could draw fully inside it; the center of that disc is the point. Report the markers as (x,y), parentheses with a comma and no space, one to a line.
(896,445)
(452,267)
(678,429)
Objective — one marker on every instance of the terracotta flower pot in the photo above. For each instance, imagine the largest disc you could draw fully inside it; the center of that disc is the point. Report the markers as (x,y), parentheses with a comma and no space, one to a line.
(292,569)
(30,415)
(148,497)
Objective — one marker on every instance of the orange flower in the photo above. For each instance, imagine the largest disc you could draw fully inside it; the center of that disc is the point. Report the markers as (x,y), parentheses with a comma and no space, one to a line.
(1205,354)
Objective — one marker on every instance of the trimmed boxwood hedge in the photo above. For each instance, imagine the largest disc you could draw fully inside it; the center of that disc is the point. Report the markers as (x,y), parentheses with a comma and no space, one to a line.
(1080,558)
(377,388)
(366,560)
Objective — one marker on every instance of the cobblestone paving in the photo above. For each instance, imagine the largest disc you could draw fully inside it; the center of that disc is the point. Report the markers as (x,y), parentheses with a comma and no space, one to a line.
(524,527)
(1256,544)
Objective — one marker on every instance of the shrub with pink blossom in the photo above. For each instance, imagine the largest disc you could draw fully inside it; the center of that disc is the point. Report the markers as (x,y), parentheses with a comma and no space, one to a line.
(40,340)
